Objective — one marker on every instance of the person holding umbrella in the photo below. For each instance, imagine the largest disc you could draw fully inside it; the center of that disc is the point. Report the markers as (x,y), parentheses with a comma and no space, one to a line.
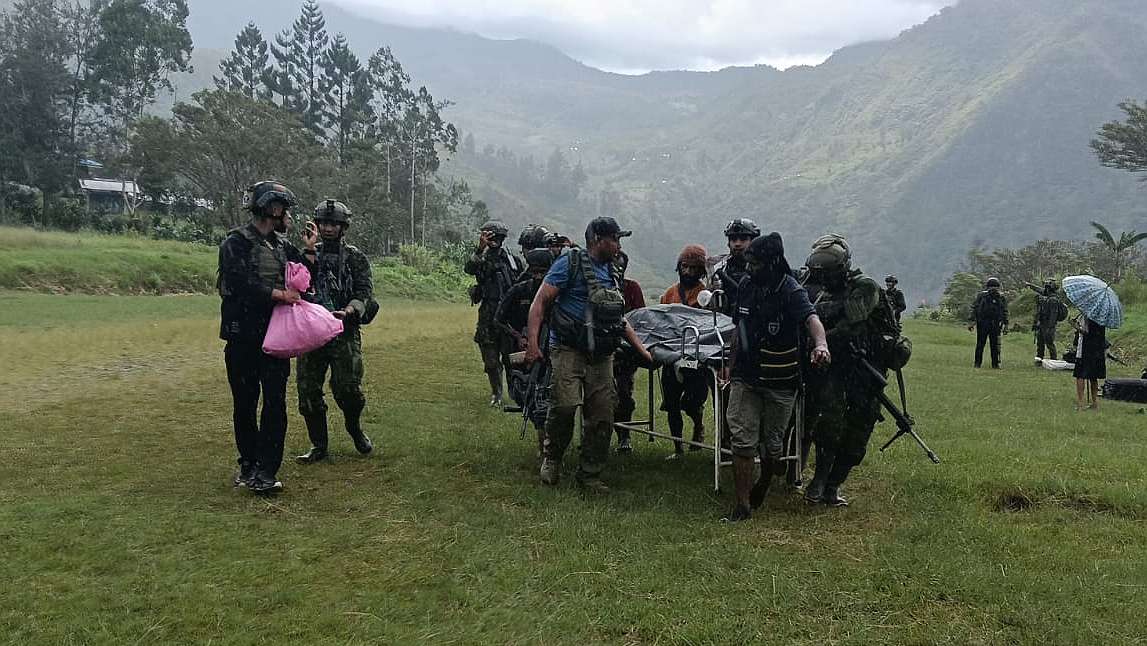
(1090,361)
(1099,309)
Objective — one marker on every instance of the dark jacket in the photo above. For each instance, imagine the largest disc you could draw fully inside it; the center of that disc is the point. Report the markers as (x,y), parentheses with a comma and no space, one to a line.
(990,307)
(246,278)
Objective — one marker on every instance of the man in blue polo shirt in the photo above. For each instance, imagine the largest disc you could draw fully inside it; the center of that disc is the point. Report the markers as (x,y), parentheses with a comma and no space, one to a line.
(582,295)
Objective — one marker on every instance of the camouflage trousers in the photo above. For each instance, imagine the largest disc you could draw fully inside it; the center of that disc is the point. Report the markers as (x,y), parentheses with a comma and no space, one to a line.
(847,412)
(581,379)
(1045,340)
(343,357)
(495,348)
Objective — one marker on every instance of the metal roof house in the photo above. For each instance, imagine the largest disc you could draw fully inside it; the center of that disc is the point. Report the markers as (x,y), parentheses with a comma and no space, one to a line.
(110,195)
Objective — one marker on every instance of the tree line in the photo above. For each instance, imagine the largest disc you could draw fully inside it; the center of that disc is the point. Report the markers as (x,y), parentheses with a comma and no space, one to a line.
(77,78)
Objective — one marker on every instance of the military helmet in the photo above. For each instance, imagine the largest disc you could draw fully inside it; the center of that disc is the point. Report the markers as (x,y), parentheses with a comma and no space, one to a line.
(260,194)
(830,253)
(333,211)
(992,282)
(891,280)
(533,237)
(496,228)
(539,258)
(556,239)
(742,227)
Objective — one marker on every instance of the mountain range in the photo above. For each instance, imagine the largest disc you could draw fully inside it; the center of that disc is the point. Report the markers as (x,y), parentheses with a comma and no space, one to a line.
(971,129)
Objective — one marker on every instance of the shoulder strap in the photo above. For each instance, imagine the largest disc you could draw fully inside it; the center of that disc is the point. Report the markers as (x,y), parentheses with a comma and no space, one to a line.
(573,266)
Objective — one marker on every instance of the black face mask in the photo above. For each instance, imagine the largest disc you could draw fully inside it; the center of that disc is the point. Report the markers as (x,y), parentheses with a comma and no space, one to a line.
(763,275)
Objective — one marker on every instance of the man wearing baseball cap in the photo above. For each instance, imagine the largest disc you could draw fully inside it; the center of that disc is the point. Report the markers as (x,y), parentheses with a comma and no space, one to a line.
(582,296)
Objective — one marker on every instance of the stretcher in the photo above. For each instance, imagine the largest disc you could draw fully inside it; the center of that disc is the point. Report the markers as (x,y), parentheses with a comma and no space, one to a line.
(682,337)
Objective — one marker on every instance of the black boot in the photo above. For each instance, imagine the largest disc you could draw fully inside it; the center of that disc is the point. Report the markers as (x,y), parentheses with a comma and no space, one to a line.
(354,429)
(832,497)
(839,474)
(824,464)
(317,431)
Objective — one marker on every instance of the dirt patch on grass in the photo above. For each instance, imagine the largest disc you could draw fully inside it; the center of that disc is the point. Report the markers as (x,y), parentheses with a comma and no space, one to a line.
(1017,500)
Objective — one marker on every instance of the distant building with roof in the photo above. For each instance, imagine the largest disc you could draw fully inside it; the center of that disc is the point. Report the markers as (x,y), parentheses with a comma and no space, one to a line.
(110,195)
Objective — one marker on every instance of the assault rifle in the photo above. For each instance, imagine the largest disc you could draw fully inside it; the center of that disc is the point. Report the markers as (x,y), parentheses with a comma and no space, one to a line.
(530,400)
(905,425)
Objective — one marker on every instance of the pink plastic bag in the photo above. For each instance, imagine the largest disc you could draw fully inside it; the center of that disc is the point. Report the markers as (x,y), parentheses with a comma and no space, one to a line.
(300,327)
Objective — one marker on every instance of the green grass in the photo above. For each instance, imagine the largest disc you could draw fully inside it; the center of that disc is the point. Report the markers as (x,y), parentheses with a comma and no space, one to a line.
(57,262)
(118,524)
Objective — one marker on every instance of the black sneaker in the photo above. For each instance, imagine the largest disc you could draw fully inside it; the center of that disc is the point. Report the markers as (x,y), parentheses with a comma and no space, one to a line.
(362,443)
(739,513)
(263,483)
(243,475)
(316,454)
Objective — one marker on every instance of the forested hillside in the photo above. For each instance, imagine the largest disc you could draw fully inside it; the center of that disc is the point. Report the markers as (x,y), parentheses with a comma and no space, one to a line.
(970,129)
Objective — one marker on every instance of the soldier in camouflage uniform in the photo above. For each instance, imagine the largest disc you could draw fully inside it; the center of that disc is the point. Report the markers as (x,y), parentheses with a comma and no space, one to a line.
(895,296)
(342,283)
(856,314)
(496,271)
(989,319)
(513,315)
(1049,311)
(532,237)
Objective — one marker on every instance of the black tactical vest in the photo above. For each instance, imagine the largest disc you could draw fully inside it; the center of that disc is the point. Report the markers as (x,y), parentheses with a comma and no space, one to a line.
(768,344)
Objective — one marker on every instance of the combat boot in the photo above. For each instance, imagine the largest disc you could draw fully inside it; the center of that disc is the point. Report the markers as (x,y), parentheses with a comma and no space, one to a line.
(317,432)
(824,462)
(832,497)
(550,472)
(362,443)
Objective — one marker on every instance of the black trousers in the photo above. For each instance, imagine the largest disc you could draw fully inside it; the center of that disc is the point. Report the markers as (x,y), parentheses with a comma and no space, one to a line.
(988,331)
(258,436)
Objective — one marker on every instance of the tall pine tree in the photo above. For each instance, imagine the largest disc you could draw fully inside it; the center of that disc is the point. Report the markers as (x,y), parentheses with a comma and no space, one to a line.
(347,90)
(246,70)
(299,55)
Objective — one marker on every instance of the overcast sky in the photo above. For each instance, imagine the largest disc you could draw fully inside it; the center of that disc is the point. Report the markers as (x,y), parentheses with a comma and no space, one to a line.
(635,36)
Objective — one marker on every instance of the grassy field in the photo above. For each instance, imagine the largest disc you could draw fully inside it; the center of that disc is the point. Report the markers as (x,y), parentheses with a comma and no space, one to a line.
(58,262)
(119,525)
